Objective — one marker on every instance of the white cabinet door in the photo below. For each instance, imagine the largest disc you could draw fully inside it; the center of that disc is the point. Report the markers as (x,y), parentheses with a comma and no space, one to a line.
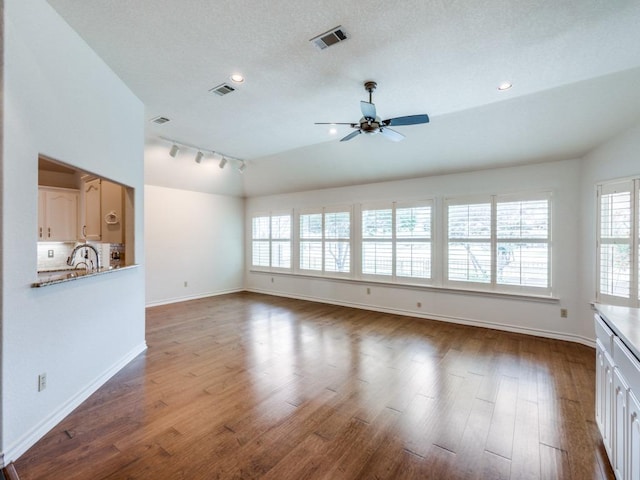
(91,229)
(600,385)
(633,437)
(607,418)
(57,215)
(620,415)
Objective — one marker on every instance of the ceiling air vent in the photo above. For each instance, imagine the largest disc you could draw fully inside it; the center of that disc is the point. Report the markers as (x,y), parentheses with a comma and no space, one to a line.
(333,36)
(160,120)
(222,89)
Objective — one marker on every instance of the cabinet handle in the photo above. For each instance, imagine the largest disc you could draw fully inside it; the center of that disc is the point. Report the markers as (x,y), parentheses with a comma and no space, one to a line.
(40,232)
(84,231)
(49,232)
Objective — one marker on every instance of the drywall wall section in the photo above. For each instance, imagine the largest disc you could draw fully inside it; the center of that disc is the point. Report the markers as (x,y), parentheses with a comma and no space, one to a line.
(617,158)
(61,101)
(193,244)
(507,313)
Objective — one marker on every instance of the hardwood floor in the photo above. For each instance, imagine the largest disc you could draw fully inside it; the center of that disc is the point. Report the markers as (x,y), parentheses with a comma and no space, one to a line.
(248,386)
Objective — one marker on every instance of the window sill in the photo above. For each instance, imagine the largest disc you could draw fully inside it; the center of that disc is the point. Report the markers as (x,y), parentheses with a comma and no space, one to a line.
(531,297)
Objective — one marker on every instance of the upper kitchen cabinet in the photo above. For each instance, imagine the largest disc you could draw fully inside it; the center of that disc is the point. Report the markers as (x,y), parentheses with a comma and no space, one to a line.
(57,214)
(91,218)
(103,217)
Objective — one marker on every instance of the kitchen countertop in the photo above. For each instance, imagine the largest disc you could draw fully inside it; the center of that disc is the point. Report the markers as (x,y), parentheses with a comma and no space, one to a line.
(69,275)
(625,322)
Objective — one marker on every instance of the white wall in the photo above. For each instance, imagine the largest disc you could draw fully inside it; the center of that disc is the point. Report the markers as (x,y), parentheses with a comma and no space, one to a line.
(192,237)
(617,158)
(61,101)
(517,314)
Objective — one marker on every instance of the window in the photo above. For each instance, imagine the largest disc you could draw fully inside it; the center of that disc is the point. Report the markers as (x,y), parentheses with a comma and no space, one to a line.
(271,241)
(396,241)
(618,243)
(499,241)
(325,241)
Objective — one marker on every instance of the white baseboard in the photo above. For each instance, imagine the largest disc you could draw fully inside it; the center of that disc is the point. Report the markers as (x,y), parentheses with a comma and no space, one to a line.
(29,439)
(192,297)
(443,318)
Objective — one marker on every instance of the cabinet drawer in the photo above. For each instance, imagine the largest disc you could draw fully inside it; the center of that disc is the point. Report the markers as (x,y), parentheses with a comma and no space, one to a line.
(627,363)
(604,333)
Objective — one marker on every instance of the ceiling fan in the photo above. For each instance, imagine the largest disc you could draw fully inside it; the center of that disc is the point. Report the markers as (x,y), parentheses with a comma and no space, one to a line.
(370,123)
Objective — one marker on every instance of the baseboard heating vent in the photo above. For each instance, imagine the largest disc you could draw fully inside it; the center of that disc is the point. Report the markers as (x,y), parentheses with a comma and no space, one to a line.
(222,89)
(333,36)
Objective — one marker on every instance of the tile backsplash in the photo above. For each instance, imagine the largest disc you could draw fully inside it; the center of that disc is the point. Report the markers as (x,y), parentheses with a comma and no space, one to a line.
(53,255)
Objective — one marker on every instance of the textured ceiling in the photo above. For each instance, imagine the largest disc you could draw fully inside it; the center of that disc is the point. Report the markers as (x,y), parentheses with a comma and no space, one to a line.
(574,65)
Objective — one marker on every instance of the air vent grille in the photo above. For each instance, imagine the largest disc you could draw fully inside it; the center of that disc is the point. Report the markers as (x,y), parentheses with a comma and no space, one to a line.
(222,89)
(160,120)
(333,36)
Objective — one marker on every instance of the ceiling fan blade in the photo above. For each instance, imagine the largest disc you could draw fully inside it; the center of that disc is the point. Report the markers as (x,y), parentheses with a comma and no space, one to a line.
(408,120)
(351,135)
(391,134)
(335,123)
(368,110)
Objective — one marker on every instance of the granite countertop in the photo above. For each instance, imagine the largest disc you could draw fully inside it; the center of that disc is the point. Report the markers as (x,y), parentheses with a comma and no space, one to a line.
(625,322)
(68,275)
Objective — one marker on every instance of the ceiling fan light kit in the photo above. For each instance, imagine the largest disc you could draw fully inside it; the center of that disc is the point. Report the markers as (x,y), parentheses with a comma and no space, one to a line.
(371,124)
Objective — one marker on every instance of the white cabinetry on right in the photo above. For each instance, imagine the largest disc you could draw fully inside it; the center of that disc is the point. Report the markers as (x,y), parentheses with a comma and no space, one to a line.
(617,405)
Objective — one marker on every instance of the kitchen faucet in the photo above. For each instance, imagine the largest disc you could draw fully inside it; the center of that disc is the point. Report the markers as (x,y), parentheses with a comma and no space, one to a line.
(72,257)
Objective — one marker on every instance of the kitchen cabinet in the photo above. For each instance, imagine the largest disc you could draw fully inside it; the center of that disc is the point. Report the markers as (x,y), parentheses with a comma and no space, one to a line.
(633,435)
(57,214)
(91,191)
(103,211)
(617,393)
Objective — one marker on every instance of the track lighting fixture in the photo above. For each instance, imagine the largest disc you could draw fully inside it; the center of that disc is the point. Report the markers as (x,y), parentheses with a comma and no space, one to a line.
(201,152)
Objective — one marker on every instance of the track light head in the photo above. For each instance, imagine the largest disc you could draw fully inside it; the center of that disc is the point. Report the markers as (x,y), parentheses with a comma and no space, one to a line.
(174,150)
(199,156)
(223,162)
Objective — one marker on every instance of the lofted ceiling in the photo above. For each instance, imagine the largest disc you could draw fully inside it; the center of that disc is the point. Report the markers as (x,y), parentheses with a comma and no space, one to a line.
(574,65)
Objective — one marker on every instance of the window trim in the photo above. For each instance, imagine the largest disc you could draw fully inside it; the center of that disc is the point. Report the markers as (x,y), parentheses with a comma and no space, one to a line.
(493,200)
(394,206)
(324,240)
(631,185)
(271,241)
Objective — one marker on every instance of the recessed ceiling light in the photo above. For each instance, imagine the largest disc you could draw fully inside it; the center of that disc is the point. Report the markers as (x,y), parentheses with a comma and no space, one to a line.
(505,86)
(237,78)
(333,131)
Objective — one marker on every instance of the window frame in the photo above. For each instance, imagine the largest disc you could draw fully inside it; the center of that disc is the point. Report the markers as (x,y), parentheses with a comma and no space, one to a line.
(493,240)
(394,239)
(631,185)
(272,240)
(324,240)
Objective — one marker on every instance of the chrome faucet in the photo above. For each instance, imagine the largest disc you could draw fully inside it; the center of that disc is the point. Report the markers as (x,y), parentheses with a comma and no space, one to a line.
(72,257)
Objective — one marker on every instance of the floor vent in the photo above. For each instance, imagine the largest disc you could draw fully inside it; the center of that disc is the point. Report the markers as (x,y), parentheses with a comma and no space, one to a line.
(222,89)
(160,120)
(333,36)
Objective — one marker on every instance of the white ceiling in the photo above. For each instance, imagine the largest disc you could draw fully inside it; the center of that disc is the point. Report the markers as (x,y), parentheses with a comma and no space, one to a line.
(574,64)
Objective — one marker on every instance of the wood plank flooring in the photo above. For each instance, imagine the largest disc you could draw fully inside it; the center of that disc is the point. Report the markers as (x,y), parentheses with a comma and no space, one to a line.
(248,386)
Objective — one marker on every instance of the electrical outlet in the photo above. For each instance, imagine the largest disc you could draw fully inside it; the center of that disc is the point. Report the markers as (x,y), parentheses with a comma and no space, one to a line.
(271,279)
(368,291)
(186,284)
(42,381)
(50,253)
(419,305)
(564,313)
